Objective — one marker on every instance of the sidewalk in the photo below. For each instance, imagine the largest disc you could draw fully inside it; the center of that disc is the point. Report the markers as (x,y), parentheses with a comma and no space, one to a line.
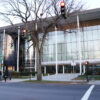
(61,79)
(16,80)
(94,82)
(55,81)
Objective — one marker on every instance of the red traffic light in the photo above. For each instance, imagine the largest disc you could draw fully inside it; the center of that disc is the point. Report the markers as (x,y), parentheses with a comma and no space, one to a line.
(24,31)
(62,3)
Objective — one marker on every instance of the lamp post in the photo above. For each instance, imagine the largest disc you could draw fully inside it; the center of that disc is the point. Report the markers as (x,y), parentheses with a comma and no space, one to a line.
(18,49)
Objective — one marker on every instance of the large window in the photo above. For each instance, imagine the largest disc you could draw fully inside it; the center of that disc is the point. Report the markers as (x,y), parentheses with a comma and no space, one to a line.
(68,48)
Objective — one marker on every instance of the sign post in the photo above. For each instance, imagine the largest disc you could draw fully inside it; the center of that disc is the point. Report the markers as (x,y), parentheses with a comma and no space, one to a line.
(73,63)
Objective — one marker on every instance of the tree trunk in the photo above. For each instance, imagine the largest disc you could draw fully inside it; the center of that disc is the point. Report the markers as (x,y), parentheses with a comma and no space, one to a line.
(38,63)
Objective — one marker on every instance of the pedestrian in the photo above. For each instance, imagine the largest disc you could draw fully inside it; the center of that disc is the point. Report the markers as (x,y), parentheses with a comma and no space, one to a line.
(0,75)
(10,75)
(5,76)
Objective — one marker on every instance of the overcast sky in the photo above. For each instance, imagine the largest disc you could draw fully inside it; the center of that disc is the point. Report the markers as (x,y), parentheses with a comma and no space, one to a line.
(91,4)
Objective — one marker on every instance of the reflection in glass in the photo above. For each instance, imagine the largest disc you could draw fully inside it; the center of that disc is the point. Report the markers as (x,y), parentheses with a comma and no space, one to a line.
(68,44)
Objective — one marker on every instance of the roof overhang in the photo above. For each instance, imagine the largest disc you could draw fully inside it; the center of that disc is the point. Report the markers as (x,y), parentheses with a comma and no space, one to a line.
(88,15)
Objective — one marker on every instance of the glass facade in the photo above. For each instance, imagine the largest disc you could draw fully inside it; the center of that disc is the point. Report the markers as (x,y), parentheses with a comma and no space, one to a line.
(67,44)
(29,56)
(28,50)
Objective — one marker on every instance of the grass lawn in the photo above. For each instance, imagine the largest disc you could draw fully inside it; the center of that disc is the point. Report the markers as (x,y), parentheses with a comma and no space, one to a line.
(91,77)
(36,81)
(54,82)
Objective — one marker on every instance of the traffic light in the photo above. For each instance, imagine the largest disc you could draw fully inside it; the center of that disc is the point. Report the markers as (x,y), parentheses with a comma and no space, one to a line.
(63,9)
(24,33)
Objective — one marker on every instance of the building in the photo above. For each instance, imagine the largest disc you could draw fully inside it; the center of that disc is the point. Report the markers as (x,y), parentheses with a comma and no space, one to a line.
(6,51)
(78,41)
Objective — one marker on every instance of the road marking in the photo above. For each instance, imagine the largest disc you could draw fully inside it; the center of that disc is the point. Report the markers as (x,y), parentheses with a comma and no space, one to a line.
(88,92)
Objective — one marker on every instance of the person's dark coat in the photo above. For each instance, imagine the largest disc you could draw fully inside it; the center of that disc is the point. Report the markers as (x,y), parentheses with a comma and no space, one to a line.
(5,74)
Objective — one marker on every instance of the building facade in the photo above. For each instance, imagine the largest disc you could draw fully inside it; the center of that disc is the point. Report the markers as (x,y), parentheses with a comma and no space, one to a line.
(75,45)
(67,48)
(6,51)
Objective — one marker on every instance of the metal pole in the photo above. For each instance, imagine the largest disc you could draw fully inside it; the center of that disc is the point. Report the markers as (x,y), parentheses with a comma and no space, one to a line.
(35,60)
(56,51)
(18,49)
(79,43)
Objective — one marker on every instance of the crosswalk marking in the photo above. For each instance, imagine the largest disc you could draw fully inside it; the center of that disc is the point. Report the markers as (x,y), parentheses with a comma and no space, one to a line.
(88,92)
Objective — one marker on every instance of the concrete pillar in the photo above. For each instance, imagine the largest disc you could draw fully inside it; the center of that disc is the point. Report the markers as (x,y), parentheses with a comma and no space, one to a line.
(79,44)
(56,50)
(84,69)
(63,69)
(45,70)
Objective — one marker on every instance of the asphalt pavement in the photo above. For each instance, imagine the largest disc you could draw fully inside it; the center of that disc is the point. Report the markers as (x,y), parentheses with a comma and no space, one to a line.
(29,91)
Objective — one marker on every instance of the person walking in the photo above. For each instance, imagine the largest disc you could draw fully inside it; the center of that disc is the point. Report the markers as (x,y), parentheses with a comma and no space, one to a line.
(5,76)
(0,75)
(10,75)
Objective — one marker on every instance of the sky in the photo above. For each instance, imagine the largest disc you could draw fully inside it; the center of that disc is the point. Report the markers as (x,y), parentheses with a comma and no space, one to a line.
(92,4)
(89,4)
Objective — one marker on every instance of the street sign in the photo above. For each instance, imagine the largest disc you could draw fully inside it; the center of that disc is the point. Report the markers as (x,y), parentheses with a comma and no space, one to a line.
(73,63)
(1,58)
(2,55)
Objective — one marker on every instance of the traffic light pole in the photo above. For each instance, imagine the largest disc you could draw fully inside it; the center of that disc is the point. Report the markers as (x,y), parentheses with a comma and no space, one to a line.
(87,66)
(35,63)
(18,49)
(87,78)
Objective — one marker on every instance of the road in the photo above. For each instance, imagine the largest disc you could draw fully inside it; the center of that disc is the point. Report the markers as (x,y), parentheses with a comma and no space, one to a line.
(29,91)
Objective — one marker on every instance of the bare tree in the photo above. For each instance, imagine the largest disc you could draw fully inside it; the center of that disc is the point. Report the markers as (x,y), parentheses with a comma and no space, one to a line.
(42,14)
